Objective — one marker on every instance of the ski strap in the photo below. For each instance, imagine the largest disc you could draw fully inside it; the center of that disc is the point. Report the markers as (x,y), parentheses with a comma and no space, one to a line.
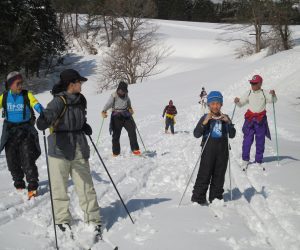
(55,124)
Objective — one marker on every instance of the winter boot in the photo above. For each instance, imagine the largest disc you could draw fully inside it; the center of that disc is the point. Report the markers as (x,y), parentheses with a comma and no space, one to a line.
(32,194)
(98,233)
(200,201)
(65,229)
(137,152)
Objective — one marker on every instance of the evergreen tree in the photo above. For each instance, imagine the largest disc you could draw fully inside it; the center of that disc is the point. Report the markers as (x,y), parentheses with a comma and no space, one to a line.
(204,11)
(30,35)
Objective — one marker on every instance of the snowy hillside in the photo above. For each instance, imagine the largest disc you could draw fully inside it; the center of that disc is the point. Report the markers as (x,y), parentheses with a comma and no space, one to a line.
(265,211)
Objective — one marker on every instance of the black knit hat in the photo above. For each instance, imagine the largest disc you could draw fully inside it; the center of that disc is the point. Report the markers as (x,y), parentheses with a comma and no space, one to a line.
(123,86)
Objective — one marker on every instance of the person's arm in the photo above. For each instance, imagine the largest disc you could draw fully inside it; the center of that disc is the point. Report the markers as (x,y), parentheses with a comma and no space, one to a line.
(175,111)
(34,103)
(1,99)
(129,103)
(164,112)
(200,128)
(231,130)
(243,100)
(270,96)
(50,114)
(109,104)
(229,126)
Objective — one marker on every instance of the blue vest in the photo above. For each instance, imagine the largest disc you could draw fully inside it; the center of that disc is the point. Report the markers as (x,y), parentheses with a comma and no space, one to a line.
(15,108)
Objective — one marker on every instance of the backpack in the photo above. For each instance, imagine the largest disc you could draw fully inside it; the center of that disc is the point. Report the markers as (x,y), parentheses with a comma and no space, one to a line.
(26,103)
(66,106)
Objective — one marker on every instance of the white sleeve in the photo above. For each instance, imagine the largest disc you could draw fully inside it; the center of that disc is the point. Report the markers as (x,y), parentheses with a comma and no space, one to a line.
(269,97)
(244,99)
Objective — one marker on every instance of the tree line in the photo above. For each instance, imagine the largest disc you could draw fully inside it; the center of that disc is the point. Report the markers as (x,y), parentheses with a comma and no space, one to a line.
(36,33)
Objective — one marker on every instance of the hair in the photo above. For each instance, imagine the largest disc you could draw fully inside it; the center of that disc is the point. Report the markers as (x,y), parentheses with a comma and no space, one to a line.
(59,87)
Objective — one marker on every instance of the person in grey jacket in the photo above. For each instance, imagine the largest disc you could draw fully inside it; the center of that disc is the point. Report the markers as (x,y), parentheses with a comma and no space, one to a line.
(121,117)
(69,150)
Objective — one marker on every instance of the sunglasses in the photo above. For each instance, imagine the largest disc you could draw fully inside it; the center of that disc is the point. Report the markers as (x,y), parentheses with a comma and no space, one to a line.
(254,83)
(78,81)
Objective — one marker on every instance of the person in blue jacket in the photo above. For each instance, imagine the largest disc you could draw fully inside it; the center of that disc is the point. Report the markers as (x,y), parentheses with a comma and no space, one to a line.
(19,136)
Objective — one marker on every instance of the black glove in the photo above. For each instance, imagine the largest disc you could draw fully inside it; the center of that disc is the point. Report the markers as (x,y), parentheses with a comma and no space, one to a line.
(41,122)
(87,129)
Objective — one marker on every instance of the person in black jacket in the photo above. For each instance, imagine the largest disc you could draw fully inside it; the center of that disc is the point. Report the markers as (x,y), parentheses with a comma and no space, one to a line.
(69,151)
(215,128)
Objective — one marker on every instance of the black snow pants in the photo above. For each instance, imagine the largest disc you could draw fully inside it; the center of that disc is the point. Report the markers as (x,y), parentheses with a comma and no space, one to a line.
(21,155)
(212,171)
(118,122)
(170,123)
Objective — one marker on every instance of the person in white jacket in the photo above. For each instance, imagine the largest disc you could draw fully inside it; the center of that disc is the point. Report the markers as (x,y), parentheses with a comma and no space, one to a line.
(256,123)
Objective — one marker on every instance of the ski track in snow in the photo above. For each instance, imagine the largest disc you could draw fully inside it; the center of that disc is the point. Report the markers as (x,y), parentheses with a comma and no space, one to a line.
(150,176)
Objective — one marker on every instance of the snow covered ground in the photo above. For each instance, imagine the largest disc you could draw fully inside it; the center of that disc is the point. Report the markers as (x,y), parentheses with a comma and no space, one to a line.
(265,211)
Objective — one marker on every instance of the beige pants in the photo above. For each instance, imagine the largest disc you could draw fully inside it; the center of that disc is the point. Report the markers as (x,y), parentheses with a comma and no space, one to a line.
(79,170)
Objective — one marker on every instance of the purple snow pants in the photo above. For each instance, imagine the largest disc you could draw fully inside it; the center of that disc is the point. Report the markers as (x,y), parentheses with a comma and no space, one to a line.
(260,130)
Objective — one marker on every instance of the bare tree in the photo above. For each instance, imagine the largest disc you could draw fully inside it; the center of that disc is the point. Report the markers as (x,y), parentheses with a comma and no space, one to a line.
(282,14)
(136,53)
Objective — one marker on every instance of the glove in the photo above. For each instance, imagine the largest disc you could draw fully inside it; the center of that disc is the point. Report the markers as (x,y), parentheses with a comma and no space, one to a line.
(131,111)
(87,129)
(104,114)
(41,122)
(163,116)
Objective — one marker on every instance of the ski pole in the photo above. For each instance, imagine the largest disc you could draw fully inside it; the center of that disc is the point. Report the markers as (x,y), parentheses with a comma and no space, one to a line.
(275,131)
(98,138)
(111,178)
(233,112)
(139,133)
(51,199)
(199,160)
(229,166)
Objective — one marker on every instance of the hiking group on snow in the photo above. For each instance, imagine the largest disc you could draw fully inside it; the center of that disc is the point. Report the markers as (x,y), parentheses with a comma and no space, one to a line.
(69,152)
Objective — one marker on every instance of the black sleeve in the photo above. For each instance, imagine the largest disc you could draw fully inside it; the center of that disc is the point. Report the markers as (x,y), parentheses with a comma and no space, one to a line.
(175,113)
(200,128)
(231,130)
(165,110)
(50,114)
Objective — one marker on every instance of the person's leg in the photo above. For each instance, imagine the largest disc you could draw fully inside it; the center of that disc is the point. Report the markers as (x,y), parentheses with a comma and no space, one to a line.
(248,140)
(81,176)
(14,163)
(117,128)
(204,174)
(172,127)
(218,176)
(260,137)
(129,125)
(167,125)
(28,159)
(59,174)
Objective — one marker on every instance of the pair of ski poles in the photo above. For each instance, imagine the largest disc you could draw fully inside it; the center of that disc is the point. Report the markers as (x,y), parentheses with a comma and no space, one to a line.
(199,160)
(98,137)
(229,160)
(100,158)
